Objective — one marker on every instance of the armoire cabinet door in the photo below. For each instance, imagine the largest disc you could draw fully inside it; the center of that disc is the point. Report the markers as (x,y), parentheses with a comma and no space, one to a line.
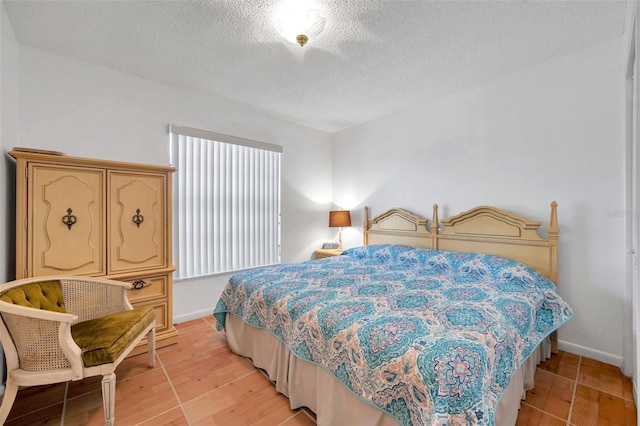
(66,226)
(137,215)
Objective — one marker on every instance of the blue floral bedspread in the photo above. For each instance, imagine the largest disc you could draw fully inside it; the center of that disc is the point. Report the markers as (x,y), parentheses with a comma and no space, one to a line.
(428,336)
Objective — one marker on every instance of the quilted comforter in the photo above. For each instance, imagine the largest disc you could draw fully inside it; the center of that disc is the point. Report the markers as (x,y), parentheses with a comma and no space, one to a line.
(428,336)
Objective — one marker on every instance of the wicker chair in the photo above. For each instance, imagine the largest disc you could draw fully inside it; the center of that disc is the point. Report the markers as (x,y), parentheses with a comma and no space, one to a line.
(55,329)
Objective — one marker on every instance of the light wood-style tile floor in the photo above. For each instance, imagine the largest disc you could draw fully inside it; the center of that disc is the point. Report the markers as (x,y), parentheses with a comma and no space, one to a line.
(199,381)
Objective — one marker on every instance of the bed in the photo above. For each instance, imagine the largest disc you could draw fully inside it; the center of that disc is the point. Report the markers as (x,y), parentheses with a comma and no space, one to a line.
(439,323)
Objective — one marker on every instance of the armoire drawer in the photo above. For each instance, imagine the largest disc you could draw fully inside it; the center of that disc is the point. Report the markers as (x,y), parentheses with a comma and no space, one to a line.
(147,288)
(162,314)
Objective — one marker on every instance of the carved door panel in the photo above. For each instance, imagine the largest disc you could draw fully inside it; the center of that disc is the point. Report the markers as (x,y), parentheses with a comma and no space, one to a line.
(137,215)
(66,226)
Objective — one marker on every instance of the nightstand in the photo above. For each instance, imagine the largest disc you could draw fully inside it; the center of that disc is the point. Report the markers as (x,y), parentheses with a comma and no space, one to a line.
(322,253)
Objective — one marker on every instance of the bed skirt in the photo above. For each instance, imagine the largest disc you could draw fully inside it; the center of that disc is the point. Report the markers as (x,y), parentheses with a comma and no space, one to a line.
(307,385)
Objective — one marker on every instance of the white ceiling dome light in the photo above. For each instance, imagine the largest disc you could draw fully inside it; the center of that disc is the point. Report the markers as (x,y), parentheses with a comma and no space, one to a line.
(298,22)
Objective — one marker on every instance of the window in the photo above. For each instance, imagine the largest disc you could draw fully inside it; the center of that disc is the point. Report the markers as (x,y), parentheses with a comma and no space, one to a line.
(226,202)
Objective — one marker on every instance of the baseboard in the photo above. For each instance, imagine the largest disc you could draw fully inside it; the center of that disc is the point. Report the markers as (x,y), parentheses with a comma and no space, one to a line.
(590,353)
(192,315)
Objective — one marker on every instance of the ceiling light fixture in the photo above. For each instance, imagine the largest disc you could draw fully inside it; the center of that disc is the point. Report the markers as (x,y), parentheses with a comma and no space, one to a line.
(299,25)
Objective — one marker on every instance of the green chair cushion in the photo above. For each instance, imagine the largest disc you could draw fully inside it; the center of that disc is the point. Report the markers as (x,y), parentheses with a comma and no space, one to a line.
(45,295)
(104,339)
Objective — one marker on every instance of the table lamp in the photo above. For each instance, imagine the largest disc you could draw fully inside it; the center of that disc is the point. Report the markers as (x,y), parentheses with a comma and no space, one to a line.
(339,219)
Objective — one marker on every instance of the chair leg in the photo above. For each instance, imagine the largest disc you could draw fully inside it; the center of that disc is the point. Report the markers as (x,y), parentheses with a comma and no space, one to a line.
(10,392)
(151,345)
(109,398)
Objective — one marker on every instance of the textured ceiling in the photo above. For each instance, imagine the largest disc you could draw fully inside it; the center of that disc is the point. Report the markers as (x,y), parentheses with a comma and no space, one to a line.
(374,57)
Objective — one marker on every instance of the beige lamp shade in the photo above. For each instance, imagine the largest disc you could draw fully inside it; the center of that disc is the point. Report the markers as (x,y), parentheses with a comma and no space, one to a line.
(339,218)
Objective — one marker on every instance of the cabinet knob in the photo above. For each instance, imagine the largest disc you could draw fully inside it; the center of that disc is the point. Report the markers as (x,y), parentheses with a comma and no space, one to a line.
(138,218)
(138,284)
(69,219)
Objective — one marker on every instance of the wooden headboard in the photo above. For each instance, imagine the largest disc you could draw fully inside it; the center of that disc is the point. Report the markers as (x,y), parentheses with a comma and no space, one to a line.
(482,230)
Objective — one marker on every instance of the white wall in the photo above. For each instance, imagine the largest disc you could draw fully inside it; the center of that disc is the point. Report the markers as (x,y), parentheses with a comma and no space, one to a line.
(551,132)
(8,139)
(89,111)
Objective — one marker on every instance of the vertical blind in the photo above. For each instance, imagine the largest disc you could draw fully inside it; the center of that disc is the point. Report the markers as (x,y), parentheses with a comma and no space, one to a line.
(226,202)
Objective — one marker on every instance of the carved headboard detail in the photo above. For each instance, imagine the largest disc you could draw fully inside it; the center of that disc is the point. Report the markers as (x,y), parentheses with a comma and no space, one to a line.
(482,229)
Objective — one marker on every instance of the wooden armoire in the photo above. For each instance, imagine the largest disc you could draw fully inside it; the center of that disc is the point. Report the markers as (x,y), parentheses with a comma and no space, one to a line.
(81,216)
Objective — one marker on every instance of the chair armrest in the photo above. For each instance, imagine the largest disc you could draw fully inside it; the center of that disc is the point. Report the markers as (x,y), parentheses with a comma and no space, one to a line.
(42,314)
